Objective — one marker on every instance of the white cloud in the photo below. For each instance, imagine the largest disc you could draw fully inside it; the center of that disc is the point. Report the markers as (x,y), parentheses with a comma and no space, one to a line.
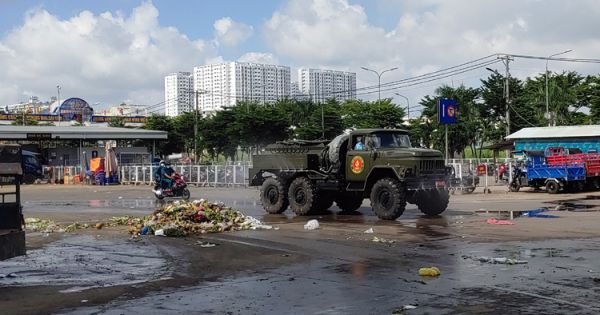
(432,34)
(107,57)
(258,57)
(231,33)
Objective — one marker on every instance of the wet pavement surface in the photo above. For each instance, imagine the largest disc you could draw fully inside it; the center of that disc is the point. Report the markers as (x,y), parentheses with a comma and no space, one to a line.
(337,269)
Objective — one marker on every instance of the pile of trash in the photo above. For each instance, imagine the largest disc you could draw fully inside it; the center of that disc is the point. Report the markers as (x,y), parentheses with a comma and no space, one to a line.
(177,219)
(197,217)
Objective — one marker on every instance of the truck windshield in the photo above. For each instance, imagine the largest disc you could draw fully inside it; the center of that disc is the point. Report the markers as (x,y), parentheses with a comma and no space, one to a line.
(385,140)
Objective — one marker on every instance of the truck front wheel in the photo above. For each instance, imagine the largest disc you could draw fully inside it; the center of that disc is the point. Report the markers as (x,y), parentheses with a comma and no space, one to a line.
(302,196)
(388,199)
(433,202)
(273,196)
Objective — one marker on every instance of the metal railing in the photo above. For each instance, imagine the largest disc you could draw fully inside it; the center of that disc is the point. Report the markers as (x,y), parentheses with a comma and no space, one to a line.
(199,175)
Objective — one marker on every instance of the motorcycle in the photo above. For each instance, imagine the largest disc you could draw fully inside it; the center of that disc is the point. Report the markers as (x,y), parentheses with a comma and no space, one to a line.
(177,190)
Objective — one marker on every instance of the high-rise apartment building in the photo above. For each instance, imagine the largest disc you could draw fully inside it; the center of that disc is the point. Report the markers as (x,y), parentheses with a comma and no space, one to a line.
(178,93)
(225,84)
(320,85)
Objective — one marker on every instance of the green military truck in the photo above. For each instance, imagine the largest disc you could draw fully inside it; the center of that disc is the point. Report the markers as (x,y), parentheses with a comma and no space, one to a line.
(309,176)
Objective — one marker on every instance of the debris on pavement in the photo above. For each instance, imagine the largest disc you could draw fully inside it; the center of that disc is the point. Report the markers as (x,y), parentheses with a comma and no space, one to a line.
(537,213)
(39,225)
(382,240)
(369,231)
(502,260)
(206,244)
(499,222)
(429,272)
(311,225)
(408,307)
(177,219)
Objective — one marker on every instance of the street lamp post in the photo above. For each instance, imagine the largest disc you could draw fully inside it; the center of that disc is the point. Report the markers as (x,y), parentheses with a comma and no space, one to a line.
(379,74)
(560,53)
(407,103)
(58,103)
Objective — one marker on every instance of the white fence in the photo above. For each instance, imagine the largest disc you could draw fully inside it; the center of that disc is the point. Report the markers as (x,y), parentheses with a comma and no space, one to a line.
(199,175)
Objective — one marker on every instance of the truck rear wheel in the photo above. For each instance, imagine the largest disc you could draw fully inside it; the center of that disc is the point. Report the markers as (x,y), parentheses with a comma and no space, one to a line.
(433,202)
(273,196)
(349,202)
(388,199)
(302,196)
(552,187)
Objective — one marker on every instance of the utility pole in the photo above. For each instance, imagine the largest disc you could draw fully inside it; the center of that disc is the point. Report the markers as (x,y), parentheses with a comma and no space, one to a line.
(196,127)
(551,121)
(506,60)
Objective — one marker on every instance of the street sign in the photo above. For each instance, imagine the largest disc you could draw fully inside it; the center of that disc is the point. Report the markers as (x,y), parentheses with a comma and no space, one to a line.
(447,109)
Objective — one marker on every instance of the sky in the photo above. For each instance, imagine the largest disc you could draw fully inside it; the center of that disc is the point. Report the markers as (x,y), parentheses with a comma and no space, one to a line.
(110,51)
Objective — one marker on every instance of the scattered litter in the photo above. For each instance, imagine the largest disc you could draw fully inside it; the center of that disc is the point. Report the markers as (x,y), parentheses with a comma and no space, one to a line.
(369,231)
(160,232)
(429,272)
(537,213)
(502,260)
(120,197)
(206,244)
(408,307)
(11,275)
(595,279)
(39,225)
(145,230)
(84,301)
(382,240)
(100,225)
(499,222)
(311,225)
(560,208)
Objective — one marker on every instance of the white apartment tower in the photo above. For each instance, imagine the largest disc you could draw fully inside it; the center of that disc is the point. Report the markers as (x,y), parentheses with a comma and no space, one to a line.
(320,85)
(178,93)
(224,84)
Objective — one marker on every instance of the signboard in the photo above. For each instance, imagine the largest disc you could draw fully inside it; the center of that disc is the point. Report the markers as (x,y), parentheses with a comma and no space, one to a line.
(39,136)
(51,118)
(447,109)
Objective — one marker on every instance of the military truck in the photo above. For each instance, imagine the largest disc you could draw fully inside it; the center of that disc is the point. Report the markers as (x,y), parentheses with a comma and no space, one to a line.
(309,176)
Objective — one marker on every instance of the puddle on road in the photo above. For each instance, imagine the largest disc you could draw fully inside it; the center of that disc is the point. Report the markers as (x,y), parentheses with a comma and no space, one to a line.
(84,262)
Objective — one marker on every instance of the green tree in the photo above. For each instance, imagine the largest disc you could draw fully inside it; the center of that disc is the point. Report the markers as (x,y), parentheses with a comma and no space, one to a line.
(117,121)
(24,120)
(165,123)
(378,114)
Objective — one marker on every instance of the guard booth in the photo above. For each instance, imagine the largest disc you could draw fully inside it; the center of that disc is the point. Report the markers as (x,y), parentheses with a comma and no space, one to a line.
(12,236)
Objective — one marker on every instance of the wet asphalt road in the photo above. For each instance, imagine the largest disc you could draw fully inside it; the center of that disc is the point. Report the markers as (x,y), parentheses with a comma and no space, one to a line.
(337,269)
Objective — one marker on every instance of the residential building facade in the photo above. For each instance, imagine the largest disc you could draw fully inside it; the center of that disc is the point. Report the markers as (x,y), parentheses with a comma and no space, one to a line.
(178,93)
(320,85)
(225,84)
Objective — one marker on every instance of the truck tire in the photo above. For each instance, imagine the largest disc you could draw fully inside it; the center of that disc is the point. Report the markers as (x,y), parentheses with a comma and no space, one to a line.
(349,202)
(388,199)
(433,202)
(273,196)
(302,196)
(552,187)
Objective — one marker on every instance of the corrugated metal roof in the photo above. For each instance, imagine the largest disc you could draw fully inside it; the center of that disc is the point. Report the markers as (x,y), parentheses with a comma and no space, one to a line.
(557,132)
(79,132)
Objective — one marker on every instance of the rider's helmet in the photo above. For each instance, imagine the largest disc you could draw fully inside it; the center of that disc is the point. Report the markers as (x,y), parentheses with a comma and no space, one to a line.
(161,163)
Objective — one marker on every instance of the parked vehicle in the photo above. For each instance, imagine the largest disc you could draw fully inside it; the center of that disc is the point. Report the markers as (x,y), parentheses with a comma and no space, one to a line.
(178,189)
(32,168)
(538,172)
(309,176)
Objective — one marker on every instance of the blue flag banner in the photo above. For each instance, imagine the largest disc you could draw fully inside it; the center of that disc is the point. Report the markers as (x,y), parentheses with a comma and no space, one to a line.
(447,109)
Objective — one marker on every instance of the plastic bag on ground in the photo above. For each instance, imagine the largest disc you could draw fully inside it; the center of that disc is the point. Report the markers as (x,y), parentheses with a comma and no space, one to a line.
(429,272)
(311,225)
(499,222)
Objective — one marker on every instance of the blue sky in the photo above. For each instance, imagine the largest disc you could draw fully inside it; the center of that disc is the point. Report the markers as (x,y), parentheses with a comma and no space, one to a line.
(123,55)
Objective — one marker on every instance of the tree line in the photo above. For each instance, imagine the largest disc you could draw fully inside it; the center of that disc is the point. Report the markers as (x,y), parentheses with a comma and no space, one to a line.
(573,100)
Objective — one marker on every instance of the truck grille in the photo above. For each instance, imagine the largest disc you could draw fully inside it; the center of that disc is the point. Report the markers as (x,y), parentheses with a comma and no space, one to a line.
(430,166)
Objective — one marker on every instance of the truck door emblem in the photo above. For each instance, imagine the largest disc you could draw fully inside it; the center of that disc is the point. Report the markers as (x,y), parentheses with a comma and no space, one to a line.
(358,164)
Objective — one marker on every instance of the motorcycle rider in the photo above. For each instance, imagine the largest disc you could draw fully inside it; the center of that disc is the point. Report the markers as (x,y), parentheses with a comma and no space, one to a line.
(163,176)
